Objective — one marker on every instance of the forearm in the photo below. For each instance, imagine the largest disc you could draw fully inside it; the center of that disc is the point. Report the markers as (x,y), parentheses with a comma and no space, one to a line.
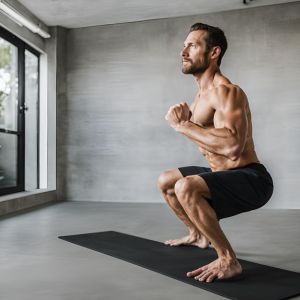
(216,140)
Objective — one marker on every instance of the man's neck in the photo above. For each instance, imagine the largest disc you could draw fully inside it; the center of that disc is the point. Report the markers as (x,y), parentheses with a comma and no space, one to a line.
(205,81)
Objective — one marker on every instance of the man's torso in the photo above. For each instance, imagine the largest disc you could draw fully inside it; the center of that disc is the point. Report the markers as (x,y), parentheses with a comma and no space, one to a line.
(205,112)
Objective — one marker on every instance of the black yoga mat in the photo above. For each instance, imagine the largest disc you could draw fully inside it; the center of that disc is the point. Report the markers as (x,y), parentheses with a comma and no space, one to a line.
(257,282)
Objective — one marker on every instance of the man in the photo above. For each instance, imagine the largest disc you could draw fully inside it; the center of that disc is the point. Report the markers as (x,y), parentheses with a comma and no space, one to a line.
(219,122)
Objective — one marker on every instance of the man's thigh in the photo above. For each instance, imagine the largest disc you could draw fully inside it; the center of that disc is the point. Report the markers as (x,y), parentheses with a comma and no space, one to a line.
(168,179)
(195,180)
(197,183)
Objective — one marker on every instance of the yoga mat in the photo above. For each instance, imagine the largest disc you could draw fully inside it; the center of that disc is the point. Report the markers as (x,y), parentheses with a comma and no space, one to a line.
(257,282)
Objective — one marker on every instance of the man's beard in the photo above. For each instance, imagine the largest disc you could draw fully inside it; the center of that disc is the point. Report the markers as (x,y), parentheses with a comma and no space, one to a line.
(199,68)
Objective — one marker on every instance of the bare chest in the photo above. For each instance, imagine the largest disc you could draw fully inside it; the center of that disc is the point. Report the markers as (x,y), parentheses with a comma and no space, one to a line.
(205,115)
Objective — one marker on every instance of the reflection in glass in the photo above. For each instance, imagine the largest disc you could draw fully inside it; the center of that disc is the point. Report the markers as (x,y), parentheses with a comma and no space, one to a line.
(8,113)
(8,85)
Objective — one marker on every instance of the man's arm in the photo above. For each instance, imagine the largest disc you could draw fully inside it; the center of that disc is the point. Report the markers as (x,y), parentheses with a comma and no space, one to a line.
(230,140)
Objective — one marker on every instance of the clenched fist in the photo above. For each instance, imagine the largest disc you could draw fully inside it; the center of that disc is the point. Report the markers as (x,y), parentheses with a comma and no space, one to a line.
(178,113)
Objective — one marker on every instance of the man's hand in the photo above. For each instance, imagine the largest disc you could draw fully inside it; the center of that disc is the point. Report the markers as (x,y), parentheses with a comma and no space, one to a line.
(178,113)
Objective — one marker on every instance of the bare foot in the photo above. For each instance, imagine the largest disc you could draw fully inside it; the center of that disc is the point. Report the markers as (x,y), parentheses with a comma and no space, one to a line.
(192,239)
(222,268)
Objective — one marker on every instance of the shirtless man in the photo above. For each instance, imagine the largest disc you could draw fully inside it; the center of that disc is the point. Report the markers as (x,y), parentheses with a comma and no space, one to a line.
(219,122)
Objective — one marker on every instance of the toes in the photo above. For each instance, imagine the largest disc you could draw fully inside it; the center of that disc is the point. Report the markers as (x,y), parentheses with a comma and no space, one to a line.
(196,272)
(175,243)
(172,242)
(208,276)
(211,277)
(203,275)
(169,242)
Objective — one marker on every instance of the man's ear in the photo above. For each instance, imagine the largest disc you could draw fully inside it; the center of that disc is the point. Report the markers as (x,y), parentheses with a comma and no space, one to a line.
(215,52)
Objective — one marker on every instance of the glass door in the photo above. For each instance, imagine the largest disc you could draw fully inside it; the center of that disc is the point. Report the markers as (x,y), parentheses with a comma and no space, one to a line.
(11,114)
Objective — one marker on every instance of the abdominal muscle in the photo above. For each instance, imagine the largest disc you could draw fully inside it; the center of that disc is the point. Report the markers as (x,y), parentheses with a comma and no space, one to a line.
(220,163)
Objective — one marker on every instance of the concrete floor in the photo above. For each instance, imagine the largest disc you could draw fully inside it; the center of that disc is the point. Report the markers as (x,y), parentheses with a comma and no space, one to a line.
(35,264)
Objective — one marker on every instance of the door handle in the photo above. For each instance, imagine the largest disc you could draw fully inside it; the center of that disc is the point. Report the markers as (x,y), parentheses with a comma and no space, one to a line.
(23,108)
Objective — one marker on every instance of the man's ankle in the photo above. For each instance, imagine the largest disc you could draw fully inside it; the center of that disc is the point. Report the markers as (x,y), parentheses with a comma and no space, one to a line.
(227,255)
(194,232)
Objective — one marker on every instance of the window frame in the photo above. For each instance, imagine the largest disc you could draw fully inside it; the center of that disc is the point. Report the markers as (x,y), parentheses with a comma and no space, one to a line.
(20,133)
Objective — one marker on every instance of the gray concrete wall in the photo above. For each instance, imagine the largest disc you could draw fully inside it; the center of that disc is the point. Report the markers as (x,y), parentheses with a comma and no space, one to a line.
(122,78)
(61,110)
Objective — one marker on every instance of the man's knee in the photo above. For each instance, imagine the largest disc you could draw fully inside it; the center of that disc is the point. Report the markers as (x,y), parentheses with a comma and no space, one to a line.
(162,181)
(190,191)
(190,185)
(167,179)
(183,186)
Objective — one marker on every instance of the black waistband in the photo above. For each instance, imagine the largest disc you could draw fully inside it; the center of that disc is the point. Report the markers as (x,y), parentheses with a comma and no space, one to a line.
(253,164)
(260,168)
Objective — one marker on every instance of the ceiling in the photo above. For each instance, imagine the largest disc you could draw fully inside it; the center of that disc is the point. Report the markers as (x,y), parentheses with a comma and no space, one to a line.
(83,13)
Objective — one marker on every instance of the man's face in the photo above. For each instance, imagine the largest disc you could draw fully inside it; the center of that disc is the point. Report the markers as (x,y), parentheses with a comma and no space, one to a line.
(195,58)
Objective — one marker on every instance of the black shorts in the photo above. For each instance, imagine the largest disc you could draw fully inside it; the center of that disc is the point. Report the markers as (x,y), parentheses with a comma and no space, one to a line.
(235,190)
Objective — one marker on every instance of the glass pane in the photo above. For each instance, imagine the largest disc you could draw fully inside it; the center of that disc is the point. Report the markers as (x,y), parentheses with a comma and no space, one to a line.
(31,120)
(8,160)
(8,85)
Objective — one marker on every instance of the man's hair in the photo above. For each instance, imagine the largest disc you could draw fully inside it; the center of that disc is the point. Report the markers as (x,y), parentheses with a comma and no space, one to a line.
(215,37)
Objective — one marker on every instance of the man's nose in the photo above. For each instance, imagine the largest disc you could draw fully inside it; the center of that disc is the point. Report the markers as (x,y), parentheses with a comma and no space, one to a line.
(184,53)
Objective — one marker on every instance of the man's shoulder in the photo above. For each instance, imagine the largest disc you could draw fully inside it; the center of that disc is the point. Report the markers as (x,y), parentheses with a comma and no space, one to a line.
(229,92)
(227,88)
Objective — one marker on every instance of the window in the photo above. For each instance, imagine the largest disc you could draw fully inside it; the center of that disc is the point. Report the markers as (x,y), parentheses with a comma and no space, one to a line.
(19,122)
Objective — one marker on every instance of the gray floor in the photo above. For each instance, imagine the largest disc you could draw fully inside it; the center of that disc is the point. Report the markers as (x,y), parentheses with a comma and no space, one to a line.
(35,264)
